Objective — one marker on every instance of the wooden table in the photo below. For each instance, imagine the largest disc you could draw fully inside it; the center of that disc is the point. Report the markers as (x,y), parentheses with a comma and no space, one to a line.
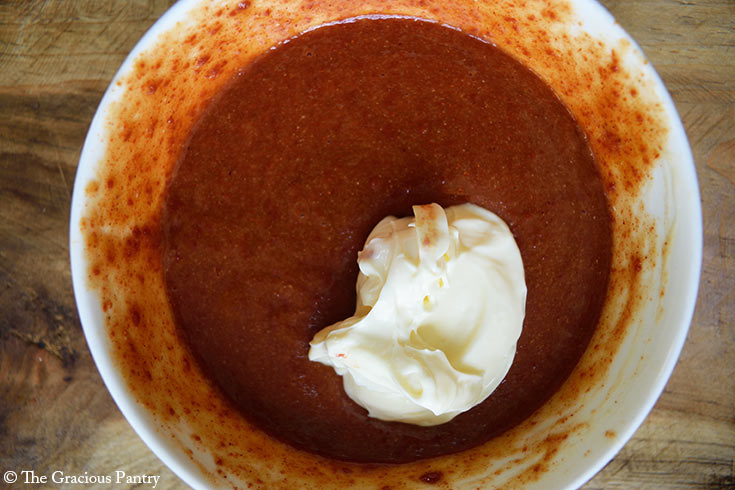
(56,59)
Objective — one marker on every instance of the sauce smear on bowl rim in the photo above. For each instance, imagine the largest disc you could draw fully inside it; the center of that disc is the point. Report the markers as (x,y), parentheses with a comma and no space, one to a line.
(166,88)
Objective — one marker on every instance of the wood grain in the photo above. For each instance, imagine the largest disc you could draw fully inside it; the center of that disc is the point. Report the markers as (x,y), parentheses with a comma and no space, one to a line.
(56,59)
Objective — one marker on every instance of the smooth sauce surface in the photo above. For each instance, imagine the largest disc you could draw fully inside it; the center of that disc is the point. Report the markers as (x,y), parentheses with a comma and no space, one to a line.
(309,147)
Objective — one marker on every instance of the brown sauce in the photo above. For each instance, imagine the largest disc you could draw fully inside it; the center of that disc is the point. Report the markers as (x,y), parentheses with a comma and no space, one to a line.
(305,151)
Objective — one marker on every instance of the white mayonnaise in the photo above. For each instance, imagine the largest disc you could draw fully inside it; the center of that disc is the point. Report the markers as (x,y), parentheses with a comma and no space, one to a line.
(440,305)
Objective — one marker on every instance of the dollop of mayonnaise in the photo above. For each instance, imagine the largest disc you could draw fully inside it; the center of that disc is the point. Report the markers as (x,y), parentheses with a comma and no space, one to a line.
(440,306)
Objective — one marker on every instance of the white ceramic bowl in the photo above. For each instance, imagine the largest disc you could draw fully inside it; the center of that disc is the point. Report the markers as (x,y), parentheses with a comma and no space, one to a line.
(657,257)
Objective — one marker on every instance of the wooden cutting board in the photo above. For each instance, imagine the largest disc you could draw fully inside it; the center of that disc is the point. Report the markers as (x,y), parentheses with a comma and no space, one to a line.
(56,59)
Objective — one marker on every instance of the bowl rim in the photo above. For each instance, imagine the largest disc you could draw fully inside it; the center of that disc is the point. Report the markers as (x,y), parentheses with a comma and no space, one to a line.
(94,326)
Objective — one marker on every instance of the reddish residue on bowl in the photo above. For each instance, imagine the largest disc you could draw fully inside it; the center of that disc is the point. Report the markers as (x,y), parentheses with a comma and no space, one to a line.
(164,93)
